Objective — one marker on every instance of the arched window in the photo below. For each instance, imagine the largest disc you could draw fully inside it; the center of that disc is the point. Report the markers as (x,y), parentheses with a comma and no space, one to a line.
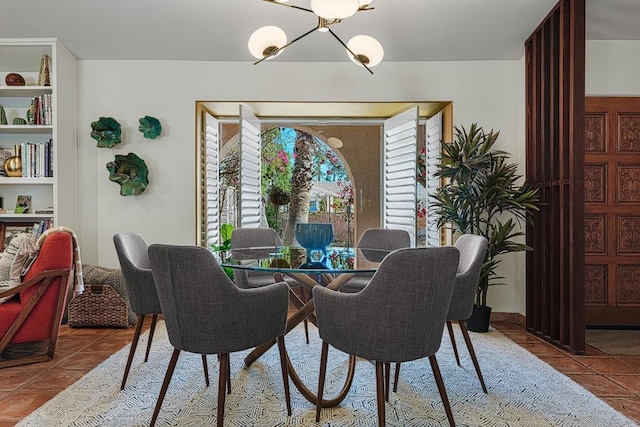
(323,178)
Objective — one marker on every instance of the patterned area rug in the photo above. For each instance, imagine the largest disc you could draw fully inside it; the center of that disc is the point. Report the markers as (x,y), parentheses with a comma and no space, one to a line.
(523,391)
(614,341)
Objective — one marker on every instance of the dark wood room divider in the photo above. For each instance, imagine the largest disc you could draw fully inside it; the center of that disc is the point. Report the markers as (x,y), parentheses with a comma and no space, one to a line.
(555,74)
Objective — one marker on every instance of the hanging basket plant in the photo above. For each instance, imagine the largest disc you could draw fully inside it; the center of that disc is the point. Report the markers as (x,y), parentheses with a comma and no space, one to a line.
(278,196)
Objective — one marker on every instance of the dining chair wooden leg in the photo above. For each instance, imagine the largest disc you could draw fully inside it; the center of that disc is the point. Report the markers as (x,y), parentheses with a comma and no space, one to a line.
(222,386)
(205,366)
(323,372)
(395,377)
(285,373)
(306,330)
(467,339)
(380,392)
(229,375)
(303,294)
(387,379)
(152,329)
(441,389)
(132,350)
(453,342)
(165,385)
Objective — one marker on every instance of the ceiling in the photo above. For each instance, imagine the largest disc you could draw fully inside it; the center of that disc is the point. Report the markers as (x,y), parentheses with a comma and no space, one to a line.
(218,30)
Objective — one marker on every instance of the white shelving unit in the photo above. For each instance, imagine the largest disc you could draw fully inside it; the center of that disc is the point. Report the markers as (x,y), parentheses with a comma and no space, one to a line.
(22,56)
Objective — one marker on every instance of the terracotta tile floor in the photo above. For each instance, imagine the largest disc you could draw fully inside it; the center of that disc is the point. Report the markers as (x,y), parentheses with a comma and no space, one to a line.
(615,379)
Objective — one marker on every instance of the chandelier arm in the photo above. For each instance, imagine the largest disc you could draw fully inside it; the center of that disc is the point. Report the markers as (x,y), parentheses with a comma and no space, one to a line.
(289,5)
(349,50)
(288,44)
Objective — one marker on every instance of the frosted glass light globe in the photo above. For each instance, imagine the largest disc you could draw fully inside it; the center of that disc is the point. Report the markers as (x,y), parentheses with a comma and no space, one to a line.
(334,142)
(335,9)
(367,49)
(265,40)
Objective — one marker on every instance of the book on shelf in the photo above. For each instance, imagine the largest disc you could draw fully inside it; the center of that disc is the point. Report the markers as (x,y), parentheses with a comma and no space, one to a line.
(44,211)
(36,158)
(41,111)
(40,227)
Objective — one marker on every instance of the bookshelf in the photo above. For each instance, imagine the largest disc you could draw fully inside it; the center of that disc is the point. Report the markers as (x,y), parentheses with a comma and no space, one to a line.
(23,56)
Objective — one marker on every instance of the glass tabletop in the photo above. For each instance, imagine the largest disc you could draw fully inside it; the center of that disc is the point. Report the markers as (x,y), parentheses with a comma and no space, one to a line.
(287,259)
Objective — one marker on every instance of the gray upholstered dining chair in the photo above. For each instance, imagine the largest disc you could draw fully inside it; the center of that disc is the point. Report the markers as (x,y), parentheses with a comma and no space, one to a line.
(373,245)
(248,238)
(206,313)
(140,286)
(472,252)
(399,316)
(245,279)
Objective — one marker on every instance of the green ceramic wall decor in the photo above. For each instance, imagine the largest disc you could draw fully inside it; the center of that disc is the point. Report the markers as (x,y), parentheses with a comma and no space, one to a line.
(3,116)
(130,172)
(19,121)
(106,131)
(150,127)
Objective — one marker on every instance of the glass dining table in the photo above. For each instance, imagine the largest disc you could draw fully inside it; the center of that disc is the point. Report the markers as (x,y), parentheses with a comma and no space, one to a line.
(332,272)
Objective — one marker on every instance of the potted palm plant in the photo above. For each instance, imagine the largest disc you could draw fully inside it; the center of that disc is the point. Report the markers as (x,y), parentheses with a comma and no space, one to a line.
(483,194)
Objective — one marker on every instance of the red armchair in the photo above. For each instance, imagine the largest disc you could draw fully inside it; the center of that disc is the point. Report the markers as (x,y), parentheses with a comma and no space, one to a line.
(30,321)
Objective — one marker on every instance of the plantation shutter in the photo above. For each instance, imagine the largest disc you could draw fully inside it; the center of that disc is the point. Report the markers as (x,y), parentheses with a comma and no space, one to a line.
(433,138)
(212,179)
(250,154)
(399,172)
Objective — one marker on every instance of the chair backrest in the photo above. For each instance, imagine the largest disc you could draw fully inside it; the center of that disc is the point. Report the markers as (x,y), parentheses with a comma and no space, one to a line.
(136,271)
(382,238)
(472,252)
(405,305)
(56,252)
(248,238)
(204,311)
(252,237)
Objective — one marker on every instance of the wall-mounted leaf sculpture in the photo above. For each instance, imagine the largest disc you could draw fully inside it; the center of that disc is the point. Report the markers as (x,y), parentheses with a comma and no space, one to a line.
(106,131)
(130,172)
(150,127)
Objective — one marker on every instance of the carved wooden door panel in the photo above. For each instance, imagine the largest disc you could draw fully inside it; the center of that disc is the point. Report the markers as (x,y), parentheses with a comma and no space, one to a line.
(612,210)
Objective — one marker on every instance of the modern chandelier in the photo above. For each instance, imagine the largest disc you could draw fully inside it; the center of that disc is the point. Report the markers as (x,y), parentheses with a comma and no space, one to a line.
(269,41)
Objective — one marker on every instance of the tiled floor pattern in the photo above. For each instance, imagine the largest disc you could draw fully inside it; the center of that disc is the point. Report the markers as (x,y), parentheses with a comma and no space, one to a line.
(615,379)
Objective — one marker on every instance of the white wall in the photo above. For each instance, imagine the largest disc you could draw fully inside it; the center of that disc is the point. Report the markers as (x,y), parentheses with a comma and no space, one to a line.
(489,93)
(612,68)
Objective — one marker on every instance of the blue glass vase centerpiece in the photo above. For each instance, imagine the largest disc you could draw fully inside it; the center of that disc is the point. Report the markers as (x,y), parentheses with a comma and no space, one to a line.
(315,238)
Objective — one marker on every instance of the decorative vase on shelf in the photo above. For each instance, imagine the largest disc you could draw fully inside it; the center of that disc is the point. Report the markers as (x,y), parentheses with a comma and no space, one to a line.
(13,166)
(14,79)
(43,76)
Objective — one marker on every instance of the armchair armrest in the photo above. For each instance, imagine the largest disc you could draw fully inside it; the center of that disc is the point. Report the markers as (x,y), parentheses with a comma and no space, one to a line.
(266,307)
(47,275)
(344,318)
